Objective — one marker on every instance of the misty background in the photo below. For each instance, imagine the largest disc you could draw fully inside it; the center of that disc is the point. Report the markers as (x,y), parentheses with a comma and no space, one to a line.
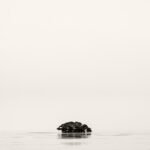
(84,60)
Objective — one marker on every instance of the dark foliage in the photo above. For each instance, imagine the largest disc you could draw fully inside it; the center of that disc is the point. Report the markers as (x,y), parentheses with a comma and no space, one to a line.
(74,127)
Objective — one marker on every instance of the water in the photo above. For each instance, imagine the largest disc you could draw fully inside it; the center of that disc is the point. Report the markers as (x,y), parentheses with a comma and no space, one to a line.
(55,141)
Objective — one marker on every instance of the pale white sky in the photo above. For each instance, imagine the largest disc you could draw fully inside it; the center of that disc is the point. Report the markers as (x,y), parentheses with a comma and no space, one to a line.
(84,60)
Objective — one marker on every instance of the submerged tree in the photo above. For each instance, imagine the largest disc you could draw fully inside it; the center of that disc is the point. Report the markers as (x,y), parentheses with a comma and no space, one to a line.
(74,127)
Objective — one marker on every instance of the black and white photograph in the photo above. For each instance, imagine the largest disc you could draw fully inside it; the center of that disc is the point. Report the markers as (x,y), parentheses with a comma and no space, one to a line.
(74,75)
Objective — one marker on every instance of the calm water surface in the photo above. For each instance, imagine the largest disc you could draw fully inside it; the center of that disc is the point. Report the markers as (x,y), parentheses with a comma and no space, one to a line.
(55,141)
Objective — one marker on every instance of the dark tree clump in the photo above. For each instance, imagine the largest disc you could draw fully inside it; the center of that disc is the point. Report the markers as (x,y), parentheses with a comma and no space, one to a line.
(74,127)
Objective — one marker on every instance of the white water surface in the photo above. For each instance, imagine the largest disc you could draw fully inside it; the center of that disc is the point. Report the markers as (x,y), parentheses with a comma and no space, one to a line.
(54,141)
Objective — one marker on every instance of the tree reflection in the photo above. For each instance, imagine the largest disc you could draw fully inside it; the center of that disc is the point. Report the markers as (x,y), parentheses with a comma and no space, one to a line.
(73,135)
